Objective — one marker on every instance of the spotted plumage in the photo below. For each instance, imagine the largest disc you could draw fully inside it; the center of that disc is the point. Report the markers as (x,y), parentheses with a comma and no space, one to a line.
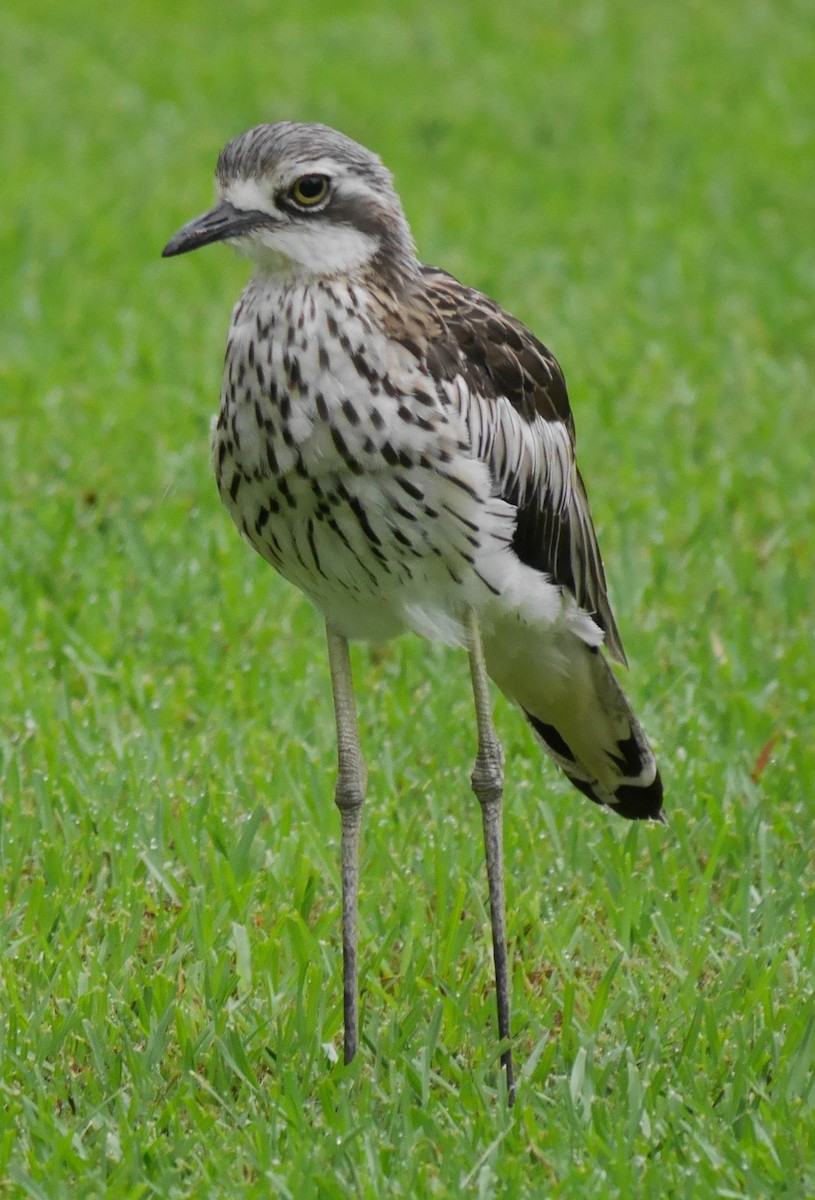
(402,450)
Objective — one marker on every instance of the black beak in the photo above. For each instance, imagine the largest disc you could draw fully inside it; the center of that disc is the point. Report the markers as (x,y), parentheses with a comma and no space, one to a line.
(222,222)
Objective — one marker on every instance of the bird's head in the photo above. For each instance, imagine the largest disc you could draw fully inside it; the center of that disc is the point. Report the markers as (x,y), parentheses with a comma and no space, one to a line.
(304,200)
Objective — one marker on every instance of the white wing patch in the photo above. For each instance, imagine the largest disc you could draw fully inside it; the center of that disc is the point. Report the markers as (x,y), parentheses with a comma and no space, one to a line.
(526,459)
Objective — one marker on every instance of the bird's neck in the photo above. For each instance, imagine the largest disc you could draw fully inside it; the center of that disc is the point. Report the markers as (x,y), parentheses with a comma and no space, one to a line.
(395,268)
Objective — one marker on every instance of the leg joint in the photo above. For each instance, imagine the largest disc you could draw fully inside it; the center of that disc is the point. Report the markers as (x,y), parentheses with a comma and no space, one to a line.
(349,793)
(488,773)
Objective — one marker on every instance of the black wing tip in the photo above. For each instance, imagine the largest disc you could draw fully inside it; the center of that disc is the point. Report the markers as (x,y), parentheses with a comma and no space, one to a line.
(635,802)
(631,801)
(640,803)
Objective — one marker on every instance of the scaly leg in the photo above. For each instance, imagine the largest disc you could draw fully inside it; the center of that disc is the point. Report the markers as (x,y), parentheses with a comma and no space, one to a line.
(488,785)
(349,795)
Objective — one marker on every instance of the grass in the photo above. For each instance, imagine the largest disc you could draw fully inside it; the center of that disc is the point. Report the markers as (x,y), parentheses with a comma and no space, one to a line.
(633,180)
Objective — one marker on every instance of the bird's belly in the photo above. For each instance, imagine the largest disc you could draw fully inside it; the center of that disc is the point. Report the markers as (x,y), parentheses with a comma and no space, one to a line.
(342,542)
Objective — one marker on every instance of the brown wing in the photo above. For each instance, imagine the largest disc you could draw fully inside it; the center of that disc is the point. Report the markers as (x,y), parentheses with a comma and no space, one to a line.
(517,411)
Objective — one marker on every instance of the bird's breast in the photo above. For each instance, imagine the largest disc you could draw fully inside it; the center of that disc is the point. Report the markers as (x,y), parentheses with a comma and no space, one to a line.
(341,462)
(313,385)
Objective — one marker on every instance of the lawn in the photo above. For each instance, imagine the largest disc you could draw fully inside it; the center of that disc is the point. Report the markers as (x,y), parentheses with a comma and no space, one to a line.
(633,180)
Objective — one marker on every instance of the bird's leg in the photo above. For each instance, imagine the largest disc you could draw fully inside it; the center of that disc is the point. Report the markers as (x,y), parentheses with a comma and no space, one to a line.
(488,785)
(349,795)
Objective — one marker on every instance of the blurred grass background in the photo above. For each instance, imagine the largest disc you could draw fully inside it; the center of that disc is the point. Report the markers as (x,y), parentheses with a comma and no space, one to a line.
(634,181)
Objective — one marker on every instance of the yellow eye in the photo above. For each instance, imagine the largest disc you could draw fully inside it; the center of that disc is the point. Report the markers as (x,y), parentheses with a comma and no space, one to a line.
(309,190)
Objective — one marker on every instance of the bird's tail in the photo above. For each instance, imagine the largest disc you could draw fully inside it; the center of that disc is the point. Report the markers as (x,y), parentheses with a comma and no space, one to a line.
(579,713)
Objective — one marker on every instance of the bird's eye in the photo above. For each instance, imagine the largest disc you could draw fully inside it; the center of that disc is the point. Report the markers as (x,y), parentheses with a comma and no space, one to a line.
(309,190)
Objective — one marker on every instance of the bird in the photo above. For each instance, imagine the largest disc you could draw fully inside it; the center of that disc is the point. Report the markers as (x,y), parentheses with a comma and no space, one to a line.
(402,450)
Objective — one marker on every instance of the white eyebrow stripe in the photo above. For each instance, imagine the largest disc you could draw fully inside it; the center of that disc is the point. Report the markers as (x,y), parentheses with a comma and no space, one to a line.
(246,195)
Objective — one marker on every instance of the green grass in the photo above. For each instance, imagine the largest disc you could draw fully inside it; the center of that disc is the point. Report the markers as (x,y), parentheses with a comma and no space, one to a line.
(635,181)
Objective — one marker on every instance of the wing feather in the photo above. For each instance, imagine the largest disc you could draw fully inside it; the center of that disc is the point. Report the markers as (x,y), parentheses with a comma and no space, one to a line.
(513,398)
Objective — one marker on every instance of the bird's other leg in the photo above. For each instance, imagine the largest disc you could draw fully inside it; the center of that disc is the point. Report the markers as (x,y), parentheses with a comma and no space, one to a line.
(349,795)
(488,785)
